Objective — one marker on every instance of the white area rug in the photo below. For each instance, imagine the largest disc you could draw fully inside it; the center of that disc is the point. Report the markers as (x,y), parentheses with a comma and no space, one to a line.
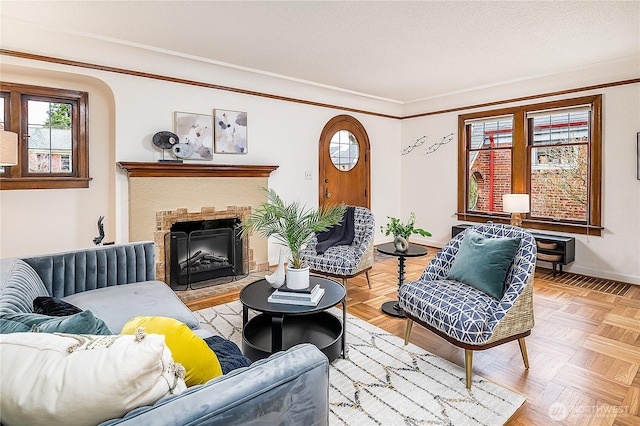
(384,382)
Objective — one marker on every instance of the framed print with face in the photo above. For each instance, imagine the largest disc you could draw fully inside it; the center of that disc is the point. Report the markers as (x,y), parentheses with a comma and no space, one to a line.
(230,132)
(195,133)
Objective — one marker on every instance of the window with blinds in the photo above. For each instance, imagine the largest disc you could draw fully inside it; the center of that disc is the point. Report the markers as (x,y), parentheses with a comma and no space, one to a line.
(489,159)
(551,151)
(559,151)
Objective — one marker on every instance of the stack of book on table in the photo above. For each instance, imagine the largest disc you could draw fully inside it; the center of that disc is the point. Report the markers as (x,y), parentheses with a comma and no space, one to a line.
(308,297)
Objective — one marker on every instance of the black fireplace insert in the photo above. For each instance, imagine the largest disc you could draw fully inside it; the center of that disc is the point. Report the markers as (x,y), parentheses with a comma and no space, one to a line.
(203,253)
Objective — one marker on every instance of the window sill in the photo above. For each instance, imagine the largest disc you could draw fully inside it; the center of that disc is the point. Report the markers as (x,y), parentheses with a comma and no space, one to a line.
(43,183)
(570,228)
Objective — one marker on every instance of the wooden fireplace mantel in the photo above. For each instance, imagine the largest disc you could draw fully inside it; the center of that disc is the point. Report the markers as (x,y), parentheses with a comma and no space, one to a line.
(142,169)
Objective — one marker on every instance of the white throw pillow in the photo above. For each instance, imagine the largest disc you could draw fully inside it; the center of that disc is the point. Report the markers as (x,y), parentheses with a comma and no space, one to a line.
(65,379)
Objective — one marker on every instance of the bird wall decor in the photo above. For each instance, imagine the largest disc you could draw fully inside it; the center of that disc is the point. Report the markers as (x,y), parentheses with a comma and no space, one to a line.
(432,148)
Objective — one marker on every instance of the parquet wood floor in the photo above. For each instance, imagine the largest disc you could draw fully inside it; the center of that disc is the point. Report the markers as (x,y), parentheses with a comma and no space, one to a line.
(584,350)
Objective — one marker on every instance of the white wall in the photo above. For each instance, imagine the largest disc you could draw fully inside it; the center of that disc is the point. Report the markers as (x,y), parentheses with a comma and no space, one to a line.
(429,182)
(125,111)
(279,133)
(43,221)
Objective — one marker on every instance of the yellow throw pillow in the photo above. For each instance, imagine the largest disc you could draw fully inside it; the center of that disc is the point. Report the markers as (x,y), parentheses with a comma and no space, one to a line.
(186,347)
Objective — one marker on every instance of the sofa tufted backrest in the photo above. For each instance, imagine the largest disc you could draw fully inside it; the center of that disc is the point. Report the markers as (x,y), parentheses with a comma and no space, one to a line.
(72,272)
(19,285)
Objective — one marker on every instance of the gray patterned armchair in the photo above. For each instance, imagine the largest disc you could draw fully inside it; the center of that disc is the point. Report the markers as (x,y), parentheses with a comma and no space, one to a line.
(346,261)
(466,316)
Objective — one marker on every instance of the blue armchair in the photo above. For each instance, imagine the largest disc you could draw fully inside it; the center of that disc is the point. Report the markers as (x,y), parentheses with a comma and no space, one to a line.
(346,261)
(465,316)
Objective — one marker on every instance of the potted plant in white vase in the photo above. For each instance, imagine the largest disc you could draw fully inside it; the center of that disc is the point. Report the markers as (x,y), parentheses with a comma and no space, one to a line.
(292,225)
(401,232)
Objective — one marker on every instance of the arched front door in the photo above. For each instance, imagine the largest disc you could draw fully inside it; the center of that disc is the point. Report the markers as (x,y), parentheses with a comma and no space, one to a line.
(344,163)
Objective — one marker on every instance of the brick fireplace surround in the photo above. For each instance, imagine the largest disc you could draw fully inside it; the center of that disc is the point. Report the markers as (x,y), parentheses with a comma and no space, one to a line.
(164,221)
(161,194)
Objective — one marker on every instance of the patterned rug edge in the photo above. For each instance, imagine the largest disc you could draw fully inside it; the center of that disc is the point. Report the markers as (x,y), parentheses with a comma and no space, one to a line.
(379,368)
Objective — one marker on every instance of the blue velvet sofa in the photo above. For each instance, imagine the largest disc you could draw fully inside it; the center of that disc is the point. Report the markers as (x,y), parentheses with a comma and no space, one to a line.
(118,283)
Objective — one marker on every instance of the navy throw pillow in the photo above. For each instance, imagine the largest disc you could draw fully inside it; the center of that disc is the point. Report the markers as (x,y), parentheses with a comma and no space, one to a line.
(54,307)
(228,353)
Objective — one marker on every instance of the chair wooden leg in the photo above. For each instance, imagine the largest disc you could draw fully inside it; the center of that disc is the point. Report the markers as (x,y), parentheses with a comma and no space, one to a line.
(366,273)
(523,351)
(407,331)
(468,365)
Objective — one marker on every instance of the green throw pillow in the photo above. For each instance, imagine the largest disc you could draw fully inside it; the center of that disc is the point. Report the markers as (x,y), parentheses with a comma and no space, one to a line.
(81,323)
(8,326)
(483,262)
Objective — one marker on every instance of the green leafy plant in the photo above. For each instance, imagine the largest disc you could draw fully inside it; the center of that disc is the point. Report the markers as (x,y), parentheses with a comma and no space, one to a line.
(395,227)
(291,224)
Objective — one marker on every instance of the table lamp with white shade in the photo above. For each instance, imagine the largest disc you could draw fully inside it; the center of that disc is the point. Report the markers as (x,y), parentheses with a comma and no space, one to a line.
(8,149)
(515,204)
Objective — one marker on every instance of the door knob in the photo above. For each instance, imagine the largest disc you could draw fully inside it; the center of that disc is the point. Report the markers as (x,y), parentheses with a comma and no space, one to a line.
(327,194)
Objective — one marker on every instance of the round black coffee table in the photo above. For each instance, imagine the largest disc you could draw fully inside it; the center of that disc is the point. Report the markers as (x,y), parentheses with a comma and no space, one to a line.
(281,326)
(392,308)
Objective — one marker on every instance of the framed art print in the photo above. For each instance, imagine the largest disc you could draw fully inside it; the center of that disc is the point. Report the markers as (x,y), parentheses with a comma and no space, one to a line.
(195,131)
(230,132)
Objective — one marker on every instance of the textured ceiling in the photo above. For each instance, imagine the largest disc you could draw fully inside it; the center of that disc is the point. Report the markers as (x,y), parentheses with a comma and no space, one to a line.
(401,51)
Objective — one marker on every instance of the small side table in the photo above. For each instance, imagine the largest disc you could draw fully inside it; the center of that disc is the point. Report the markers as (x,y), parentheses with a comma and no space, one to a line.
(392,308)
